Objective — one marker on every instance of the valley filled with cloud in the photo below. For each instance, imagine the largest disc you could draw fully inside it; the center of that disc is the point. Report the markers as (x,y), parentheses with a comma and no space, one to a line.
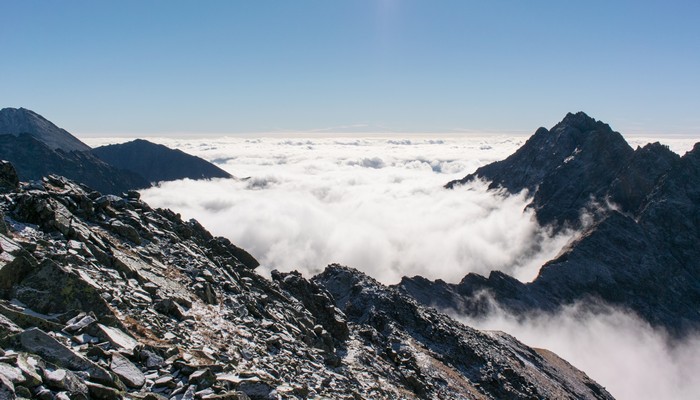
(378,204)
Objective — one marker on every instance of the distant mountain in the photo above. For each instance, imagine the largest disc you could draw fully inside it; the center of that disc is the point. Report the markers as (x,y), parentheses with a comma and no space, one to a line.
(33,160)
(156,162)
(15,121)
(39,148)
(640,253)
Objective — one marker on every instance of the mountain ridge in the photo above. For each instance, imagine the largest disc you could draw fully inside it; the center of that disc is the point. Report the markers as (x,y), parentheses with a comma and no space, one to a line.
(37,148)
(156,162)
(639,249)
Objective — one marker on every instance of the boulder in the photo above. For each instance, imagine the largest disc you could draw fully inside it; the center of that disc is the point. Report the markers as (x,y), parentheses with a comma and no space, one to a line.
(36,341)
(129,373)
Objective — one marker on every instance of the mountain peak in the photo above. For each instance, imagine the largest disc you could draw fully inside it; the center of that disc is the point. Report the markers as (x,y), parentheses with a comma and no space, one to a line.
(582,122)
(562,167)
(17,121)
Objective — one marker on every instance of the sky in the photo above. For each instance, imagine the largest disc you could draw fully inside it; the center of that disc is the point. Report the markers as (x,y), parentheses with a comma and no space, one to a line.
(226,67)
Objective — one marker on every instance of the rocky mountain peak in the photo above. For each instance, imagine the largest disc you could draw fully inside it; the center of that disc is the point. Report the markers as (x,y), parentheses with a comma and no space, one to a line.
(17,121)
(582,122)
(562,168)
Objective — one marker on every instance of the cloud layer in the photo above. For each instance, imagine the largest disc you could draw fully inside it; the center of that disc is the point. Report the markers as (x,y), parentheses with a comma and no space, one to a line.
(615,348)
(375,204)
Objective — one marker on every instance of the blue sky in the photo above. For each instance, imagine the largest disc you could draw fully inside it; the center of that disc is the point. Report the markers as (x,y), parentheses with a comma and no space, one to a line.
(157,67)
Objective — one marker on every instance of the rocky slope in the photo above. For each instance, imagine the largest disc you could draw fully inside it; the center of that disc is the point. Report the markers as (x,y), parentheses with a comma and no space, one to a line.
(640,253)
(156,162)
(103,297)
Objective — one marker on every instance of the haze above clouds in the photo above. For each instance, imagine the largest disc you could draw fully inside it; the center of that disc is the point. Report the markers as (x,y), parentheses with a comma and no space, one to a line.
(377,204)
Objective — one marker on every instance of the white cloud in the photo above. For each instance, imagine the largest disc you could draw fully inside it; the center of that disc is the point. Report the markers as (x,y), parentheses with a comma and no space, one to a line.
(632,360)
(371,203)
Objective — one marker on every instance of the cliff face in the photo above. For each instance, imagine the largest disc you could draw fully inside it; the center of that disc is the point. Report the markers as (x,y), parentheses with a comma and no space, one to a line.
(101,296)
(641,250)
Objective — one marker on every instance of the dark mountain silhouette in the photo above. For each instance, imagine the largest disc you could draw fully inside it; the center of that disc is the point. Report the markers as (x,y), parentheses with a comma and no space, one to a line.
(39,148)
(640,253)
(578,160)
(156,162)
(33,160)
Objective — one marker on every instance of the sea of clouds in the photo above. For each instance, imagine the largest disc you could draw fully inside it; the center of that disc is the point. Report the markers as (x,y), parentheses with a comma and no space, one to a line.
(378,204)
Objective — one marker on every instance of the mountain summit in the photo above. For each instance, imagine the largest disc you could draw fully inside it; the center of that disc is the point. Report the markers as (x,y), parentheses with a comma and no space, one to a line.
(640,251)
(16,121)
(576,166)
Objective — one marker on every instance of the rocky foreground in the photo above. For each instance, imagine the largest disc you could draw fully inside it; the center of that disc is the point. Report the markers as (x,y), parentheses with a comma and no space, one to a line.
(104,297)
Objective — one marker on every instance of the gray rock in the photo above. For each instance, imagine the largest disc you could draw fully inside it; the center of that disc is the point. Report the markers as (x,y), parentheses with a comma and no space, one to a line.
(28,365)
(8,177)
(151,359)
(116,337)
(42,393)
(102,392)
(79,323)
(127,371)
(37,341)
(62,379)
(12,373)
(7,389)
(202,378)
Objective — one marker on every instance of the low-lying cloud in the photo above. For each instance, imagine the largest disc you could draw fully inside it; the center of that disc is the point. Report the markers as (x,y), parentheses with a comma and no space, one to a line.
(616,348)
(374,204)
(377,204)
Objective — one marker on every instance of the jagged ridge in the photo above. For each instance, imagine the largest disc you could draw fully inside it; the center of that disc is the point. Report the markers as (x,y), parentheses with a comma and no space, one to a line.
(640,253)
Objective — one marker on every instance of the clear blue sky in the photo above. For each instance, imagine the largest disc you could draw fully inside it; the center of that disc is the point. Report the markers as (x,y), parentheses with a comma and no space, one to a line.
(153,67)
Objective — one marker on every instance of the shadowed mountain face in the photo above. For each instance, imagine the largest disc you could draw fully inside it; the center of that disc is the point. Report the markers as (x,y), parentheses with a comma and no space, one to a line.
(641,252)
(103,297)
(15,121)
(157,163)
(39,148)
(33,160)
(578,165)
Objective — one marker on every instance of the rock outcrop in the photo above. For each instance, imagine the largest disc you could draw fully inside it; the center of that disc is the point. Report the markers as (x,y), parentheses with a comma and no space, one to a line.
(156,162)
(104,297)
(641,251)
